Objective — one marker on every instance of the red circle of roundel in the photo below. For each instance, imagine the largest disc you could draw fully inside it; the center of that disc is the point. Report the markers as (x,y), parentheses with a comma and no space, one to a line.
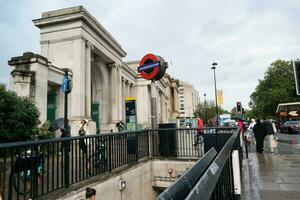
(155,70)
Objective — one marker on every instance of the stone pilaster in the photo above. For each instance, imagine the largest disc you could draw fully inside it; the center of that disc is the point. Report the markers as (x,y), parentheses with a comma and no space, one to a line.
(79,80)
(114,93)
(88,80)
(120,99)
(123,98)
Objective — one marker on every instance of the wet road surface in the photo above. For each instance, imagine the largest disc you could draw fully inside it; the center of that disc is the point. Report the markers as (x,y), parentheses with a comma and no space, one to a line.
(273,176)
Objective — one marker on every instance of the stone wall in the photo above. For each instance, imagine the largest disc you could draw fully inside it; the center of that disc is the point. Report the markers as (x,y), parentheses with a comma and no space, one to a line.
(141,181)
(138,186)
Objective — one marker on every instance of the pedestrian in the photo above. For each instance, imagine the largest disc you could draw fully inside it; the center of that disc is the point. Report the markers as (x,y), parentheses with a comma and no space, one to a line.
(241,126)
(120,126)
(259,134)
(200,129)
(251,125)
(90,193)
(269,131)
(82,132)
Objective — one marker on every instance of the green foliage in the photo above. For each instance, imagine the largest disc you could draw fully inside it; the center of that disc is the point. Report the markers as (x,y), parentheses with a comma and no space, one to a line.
(18,116)
(43,132)
(209,109)
(278,86)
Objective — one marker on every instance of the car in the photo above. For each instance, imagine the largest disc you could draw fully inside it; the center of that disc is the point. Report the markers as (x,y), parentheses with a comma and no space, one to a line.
(290,127)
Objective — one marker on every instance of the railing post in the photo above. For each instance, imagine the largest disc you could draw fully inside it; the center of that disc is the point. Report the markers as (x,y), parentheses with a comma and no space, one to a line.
(109,153)
(150,143)
(66,163)
(136,136)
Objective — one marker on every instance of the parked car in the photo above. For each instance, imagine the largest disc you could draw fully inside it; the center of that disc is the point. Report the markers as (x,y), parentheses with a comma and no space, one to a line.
(290,127)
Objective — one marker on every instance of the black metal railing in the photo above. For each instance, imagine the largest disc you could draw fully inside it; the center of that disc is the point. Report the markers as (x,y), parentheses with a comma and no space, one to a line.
(212,176)
(218,181)
(184,185)
(35,168)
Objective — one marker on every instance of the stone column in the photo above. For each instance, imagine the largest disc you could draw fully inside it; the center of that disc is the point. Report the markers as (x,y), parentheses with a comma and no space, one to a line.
(127,89)
(41,89)
(123,98)
(77,99)
(114,94)
(120,87)
(88,80)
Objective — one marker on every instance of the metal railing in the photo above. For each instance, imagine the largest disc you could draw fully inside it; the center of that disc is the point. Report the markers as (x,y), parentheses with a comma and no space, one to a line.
(184,185)
(35,168)
(212,176)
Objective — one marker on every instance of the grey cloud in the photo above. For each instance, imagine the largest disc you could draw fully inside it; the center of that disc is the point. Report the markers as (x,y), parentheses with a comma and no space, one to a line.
(244,37)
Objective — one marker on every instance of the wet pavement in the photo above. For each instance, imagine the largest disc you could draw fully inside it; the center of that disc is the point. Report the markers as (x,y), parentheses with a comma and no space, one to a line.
(273,176)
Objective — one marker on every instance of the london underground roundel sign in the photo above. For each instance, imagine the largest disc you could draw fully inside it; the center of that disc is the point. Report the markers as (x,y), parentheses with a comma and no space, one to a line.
(152,67)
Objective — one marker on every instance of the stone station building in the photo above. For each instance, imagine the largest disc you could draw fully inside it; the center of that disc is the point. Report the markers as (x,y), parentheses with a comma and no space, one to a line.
(72,38)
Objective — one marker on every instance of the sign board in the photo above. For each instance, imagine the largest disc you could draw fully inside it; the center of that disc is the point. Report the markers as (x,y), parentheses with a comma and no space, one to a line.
(66,85)
(152,67)
(130,106)
(220,97)
(149,66)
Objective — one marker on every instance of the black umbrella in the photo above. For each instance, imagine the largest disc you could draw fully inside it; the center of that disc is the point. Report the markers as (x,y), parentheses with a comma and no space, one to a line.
(57,124)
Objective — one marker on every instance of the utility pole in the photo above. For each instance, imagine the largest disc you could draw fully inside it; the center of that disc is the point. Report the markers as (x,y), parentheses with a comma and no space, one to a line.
(217,114)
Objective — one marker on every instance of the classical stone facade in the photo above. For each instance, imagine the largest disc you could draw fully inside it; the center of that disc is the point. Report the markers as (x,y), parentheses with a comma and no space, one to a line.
(72,38)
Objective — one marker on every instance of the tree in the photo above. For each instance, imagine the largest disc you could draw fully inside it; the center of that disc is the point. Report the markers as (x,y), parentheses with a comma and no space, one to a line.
(209,109)
(278,86)
(18,116)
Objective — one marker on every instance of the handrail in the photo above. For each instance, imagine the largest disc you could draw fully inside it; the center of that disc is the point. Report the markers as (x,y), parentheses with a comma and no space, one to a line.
(206,185)
(62,139)
(17,144)
(183,185)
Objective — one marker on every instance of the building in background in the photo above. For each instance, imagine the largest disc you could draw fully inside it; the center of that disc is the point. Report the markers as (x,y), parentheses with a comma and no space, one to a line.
(188,101)
(72,38)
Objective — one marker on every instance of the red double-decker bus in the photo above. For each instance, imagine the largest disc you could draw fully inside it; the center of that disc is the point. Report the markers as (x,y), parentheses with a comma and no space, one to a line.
(287,112)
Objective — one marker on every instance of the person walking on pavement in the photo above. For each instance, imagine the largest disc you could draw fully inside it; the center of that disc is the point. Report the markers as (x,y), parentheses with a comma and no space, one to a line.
(269,135)
(259,134)
(82,132)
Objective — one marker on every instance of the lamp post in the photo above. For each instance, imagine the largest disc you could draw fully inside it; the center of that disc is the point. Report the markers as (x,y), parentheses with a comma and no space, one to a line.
(214,64)
(205,109)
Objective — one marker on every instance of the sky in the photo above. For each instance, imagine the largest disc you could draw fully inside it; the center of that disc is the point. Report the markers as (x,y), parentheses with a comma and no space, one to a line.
(243,36)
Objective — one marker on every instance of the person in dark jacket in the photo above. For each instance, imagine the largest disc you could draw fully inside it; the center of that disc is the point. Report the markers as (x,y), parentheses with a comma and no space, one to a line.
(269,131)
(259,134)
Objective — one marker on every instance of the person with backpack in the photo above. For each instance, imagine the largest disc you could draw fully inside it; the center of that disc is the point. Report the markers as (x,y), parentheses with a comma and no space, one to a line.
(269,132)
(259,134)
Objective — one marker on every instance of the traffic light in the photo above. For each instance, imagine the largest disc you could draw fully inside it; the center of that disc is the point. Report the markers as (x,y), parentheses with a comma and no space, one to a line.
(238,107)
(243,111)
(297,75)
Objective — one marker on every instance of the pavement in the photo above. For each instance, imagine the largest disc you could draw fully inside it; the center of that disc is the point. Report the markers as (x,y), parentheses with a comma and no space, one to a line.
(273,176)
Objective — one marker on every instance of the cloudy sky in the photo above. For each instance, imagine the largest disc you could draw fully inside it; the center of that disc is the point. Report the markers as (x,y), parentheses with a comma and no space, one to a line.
(242,36)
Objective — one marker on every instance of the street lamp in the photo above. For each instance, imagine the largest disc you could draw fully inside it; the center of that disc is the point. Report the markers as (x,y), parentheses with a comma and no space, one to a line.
(205,109)
(214,64)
